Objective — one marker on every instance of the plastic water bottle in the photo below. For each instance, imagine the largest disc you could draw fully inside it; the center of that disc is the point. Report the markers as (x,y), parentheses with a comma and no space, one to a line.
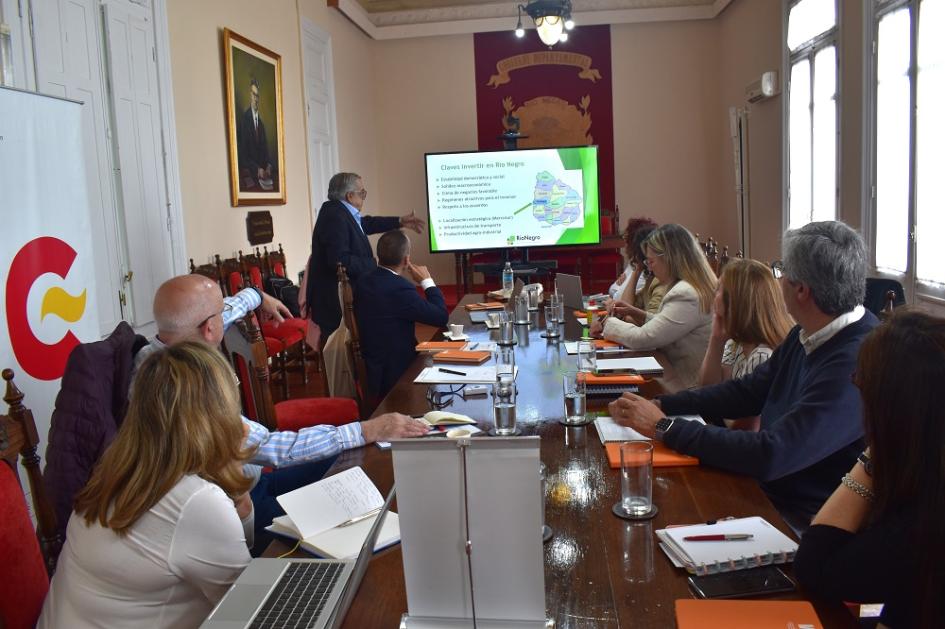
(508,278)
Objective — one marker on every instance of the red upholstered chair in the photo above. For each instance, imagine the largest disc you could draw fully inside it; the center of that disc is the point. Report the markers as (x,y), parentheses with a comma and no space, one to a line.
(244,344)
(27,556)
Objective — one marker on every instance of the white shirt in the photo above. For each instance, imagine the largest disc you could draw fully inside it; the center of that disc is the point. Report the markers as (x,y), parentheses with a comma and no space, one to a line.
(425,284)
(173,565)
(824,334)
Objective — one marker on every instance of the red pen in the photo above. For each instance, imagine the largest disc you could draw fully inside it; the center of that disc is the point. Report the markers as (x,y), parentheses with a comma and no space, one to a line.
(729,537)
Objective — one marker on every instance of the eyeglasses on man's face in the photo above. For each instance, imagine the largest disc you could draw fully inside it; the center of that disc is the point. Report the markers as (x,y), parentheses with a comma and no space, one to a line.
(777,268)
(226,308)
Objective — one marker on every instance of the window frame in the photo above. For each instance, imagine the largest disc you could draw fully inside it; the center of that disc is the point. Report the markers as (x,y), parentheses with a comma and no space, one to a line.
(809,50)
(915,289)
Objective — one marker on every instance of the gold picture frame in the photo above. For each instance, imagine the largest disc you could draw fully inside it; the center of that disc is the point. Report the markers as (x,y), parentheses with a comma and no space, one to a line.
(254,122)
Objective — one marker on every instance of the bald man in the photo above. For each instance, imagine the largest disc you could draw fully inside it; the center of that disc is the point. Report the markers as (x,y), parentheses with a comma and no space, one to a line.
(192,308)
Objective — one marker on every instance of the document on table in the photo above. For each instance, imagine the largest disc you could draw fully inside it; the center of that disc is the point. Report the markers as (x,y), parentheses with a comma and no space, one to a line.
(459,375)
(571,347)
(608,430)
(639,364)
(331,501)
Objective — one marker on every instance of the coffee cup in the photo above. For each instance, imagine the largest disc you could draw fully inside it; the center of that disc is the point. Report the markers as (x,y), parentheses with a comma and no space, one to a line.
(456,330)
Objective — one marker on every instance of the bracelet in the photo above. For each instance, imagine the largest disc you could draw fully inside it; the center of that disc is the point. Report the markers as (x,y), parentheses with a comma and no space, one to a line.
(858,488)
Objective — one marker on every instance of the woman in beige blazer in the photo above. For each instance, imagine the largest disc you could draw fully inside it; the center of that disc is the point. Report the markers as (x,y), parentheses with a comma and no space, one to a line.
(681,327)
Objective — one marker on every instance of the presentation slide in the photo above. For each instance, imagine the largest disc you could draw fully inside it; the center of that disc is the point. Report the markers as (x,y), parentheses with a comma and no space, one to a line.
(523,198)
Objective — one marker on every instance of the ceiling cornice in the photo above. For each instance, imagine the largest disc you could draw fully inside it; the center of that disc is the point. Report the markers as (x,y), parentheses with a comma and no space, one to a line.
(488,17)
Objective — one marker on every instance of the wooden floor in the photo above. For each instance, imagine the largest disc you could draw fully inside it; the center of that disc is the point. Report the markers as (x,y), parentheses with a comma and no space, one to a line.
(316,386)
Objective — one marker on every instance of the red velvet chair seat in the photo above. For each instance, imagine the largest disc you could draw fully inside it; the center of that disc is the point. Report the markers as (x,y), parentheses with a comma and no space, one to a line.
(273,346)
(288,334)
(299,413)
(22,570)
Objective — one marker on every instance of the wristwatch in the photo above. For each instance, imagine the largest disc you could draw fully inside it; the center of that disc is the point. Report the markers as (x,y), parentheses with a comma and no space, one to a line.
(663,426)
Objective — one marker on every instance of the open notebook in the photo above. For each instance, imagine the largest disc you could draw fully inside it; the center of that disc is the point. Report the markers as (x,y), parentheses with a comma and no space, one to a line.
(332,517)
(767,546)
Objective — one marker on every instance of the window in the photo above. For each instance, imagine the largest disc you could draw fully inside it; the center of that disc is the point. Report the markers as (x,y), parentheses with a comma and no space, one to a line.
(812,111)
(908,88)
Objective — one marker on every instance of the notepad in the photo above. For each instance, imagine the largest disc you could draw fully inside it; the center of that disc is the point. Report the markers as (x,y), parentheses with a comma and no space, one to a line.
(485,305)
(767,546)
(320,515)
(639,364)
(461,356)
(601,345)
(592,379)
(465,375)
(610,431)
(438,346)
(734,614)
(443,418)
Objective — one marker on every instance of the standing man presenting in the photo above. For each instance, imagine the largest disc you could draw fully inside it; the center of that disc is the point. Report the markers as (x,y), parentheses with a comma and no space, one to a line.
(340,235)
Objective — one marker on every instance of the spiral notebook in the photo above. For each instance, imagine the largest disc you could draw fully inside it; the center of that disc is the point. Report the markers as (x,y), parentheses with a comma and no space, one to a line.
(767,546)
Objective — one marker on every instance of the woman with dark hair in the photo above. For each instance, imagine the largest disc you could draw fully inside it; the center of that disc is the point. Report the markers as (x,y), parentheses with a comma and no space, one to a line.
(636,285)
(880,538)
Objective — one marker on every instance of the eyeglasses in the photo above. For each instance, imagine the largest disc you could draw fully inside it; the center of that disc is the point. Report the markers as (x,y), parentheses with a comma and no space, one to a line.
(226,308)
(777,268)
(360,193)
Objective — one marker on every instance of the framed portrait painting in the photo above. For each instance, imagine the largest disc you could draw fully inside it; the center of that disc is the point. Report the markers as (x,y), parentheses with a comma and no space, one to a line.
(254,122)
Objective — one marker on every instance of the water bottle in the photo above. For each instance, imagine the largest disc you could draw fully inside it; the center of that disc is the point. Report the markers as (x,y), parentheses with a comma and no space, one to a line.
(508,279)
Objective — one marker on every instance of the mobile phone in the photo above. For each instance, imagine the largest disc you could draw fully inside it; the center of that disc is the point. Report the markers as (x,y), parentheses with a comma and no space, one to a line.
(739,583)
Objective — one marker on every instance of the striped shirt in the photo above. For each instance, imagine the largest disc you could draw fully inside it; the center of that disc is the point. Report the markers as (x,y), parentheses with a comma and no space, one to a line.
(742,365)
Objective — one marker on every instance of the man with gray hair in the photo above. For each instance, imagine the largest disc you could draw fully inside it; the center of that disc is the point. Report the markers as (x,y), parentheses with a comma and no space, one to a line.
(811,413)
(340,235)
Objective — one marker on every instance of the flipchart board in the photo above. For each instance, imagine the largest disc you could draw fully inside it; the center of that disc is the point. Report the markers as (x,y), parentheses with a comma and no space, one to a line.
(46,263)
(561,96)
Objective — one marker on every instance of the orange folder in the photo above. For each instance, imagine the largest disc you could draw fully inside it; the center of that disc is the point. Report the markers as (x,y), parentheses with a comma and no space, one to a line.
(581,313)
(740,614)
(485,305)
(459,356)
(619,378)
(604,343)
(662,456)
(435,346)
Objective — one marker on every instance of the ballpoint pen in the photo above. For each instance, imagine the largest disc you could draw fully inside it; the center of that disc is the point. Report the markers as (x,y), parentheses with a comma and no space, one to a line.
(728,537)
(365,516)
(473,346)
(450,371)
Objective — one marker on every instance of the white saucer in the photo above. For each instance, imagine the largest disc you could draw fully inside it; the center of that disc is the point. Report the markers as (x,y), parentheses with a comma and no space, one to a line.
(449,335)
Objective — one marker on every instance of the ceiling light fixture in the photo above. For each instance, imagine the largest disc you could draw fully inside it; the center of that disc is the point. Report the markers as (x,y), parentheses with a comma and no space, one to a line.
(552,20)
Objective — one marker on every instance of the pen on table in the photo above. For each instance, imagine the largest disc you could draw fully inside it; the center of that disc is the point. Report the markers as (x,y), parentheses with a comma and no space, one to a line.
(450,371)
(473,346)
(728,537)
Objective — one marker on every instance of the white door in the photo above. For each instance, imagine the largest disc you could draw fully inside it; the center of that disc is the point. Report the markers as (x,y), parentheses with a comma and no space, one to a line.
(319,111)
(68,64)
(136,120)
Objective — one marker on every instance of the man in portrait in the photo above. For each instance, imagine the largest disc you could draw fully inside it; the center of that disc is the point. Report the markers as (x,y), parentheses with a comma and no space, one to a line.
(253,151)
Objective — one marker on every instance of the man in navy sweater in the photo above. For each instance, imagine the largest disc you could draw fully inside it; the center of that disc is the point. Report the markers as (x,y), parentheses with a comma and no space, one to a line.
(387,306)
(811,413)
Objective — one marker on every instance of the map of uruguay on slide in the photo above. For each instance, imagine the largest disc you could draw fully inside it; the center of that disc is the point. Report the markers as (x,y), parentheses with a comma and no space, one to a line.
(555,202)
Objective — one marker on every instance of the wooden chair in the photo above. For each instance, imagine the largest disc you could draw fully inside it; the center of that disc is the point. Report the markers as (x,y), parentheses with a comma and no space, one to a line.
(367,400)
(244,344)
(883,295)
(211,270)
(27,555)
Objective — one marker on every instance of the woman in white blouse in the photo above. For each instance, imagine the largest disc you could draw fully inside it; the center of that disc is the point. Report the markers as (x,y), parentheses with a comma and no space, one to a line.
(680,328)
(156,537)
(749,321)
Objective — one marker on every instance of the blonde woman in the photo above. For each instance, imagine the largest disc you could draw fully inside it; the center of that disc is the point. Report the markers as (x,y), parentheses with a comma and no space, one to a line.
(749,321)
(681,326)
(156,536)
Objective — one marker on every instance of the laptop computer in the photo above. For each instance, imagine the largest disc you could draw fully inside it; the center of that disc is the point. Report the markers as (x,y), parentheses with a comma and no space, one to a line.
(312,593)
(569,287)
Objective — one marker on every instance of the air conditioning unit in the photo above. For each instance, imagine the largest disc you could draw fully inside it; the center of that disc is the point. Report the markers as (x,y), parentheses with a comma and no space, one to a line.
(763,88)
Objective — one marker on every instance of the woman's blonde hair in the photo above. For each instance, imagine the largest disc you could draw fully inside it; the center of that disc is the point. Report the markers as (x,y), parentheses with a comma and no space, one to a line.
(183,418)
(685,260)
(754,309)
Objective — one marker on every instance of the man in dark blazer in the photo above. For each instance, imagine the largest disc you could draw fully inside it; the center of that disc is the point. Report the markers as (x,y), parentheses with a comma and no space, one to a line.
(340,235)
(252,147)
(387,306)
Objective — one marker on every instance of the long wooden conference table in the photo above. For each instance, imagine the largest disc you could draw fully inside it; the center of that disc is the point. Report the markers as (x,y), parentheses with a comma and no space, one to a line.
(600,571)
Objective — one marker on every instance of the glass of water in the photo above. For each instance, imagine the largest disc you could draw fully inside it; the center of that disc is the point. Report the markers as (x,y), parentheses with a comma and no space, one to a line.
(587,356)
(551,322)
(503,405)
(574,387)
(636,478)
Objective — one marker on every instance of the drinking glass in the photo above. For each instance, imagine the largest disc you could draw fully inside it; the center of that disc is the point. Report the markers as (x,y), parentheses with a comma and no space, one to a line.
(551,322)
(503,405)
(636,478)
(533,296)
(504,357)
(506,331)
(521,309)
(587,356)
(575,398)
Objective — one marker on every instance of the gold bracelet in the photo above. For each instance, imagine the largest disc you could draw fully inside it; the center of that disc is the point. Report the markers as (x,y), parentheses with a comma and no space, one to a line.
(858,488)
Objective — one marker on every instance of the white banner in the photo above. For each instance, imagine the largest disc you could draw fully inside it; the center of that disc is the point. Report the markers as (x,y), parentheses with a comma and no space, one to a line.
(46,260)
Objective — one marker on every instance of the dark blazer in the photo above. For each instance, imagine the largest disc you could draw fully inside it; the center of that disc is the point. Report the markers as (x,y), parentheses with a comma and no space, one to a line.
(337,238)
(387,306)
(253,150)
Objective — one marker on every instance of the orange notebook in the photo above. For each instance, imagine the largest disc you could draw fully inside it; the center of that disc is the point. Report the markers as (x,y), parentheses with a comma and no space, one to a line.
(662,456)
(485,305)
(435,346)
(459,356)
(622,378)
(739,614)
(604,343)
(581,313)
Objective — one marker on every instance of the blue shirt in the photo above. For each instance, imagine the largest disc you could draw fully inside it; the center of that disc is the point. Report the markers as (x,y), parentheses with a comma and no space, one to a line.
(354,213)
